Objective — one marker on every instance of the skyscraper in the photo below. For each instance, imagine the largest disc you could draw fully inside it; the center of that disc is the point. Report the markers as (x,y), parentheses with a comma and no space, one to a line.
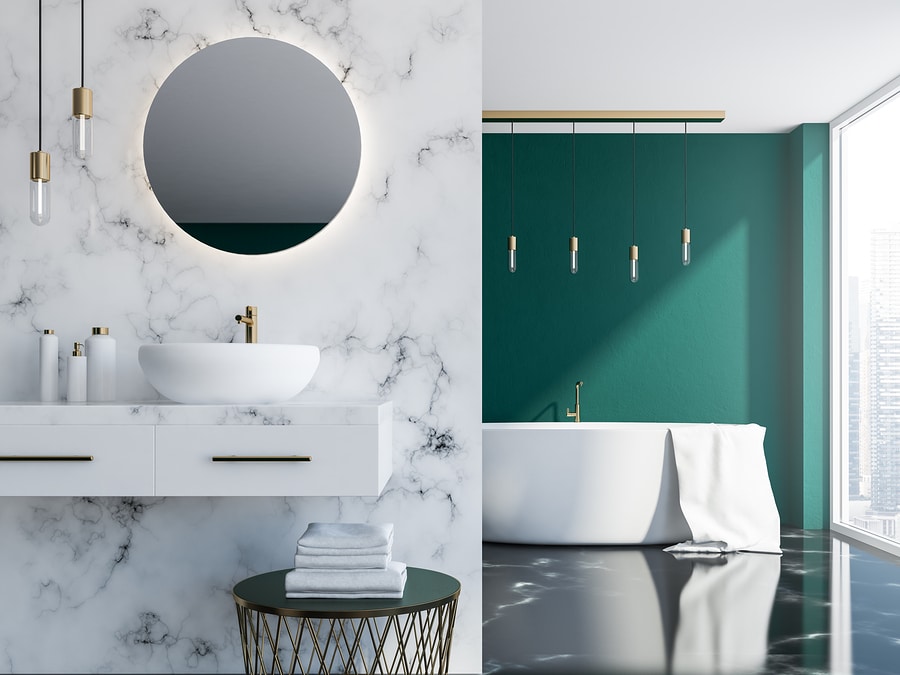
(853,387)
(884,345)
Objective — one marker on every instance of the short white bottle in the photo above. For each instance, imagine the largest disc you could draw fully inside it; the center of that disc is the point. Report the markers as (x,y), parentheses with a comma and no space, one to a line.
(76,390)
(49,366)
(100,350)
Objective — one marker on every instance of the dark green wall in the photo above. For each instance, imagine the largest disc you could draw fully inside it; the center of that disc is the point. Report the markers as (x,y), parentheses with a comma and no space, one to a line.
(723,340)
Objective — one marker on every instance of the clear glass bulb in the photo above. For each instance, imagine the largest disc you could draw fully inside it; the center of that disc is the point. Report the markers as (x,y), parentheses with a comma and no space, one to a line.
(685,246)
(39,200)
(512,260)
(634,271)
(83,136)
(573,262)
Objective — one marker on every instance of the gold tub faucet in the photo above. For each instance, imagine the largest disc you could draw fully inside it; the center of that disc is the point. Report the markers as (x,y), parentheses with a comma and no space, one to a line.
(577,413)
(251,324)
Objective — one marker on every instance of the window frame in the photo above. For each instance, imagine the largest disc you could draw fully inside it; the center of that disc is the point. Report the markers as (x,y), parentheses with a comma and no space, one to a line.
(838,330)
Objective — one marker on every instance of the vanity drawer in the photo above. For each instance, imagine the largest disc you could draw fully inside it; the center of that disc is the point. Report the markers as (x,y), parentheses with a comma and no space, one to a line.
(76,460)
(255,460)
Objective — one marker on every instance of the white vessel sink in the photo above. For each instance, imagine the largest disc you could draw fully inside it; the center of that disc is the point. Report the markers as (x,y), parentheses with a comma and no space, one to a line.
(215,372)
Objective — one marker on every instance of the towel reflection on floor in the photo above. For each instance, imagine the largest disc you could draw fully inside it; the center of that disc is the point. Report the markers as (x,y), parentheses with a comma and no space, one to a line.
(626,610)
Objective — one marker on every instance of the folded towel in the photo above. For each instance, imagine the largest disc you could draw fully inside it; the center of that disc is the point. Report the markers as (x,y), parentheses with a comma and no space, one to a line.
(724,489)
(345,562)
(316,582)
(347,535)
(346,596)
(343,552)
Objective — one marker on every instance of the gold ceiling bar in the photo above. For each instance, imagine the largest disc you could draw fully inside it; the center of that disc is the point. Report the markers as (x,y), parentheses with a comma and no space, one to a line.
(602,115)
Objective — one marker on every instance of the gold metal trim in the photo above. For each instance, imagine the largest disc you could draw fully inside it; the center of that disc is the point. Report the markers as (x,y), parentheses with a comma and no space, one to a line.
(99,330)
(632,252)
(46,458)
(686,236)
(511,243)
(602,115)
(82,102)
(573,244)
(39,166)
(261,458)
(48,331)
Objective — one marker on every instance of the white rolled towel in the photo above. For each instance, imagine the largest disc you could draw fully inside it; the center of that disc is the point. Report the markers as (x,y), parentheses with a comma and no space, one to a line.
(375,561)
(371,583)
(355,536)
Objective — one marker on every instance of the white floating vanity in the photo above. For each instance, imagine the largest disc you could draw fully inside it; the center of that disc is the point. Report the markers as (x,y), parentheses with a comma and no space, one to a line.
(170,449)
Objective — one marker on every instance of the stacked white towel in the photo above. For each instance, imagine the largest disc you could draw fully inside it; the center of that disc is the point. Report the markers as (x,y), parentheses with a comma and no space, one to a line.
(346,560)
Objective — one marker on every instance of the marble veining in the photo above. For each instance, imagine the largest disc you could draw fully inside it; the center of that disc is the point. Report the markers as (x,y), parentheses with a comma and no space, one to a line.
(826,606)
(389,292)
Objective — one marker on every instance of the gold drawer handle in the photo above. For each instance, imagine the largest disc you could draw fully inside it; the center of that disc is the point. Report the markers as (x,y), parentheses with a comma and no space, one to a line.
(261,458)
(46,458)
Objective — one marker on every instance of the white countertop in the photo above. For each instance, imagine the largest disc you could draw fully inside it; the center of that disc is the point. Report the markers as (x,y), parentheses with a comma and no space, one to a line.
(167,412)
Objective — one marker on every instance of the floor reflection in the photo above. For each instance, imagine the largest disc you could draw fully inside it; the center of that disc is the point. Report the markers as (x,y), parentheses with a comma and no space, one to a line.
(640,610)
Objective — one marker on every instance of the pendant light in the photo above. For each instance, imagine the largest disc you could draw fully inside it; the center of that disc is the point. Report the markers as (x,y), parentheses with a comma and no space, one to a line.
(39,164)
(573,240)
(82,110)
(633,251)
(685,231)
(511,240)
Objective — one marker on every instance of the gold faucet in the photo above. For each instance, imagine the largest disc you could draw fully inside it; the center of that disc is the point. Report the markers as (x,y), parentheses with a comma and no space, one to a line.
(577,413)
(251,324)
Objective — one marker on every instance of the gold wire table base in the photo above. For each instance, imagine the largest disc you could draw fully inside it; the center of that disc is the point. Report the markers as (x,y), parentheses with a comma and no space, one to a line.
(412,635)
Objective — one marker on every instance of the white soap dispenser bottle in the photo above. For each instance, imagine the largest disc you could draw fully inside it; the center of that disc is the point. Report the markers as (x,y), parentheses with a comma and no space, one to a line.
(77,379)
(49,366)
(100,350)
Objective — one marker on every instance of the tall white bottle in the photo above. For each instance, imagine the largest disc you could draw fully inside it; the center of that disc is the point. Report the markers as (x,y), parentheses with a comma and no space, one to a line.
(49,366)
(100,350)
(77,378)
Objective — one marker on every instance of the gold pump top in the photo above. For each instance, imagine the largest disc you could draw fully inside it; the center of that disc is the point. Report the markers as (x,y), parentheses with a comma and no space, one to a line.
(99,330)
(48,331)
(77,350)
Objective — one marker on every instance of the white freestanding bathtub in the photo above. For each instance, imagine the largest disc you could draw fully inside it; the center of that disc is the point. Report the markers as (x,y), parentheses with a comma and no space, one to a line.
(580,483)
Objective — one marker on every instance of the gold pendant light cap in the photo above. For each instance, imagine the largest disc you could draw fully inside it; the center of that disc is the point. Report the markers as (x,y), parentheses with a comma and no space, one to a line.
(511,243)
(573,243)
(40,166)
(686,236)
(633,253)
(82,102)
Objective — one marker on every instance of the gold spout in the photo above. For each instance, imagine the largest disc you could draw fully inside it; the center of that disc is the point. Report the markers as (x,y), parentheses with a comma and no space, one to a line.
(251,324)
(577,412)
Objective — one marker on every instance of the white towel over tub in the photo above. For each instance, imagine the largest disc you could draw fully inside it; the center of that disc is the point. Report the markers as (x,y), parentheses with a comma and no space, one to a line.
(724,489)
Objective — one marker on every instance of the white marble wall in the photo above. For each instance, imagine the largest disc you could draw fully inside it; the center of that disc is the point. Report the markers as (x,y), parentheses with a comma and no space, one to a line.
(390,291)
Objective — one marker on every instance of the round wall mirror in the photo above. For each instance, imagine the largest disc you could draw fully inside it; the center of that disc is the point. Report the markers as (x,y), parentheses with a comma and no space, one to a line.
(252,145)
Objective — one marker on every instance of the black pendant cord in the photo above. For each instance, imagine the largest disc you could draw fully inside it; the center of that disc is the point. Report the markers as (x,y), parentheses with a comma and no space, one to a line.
(685,174)
(82,43)
(573,179)
(512,178)
(40,70)
(633,181)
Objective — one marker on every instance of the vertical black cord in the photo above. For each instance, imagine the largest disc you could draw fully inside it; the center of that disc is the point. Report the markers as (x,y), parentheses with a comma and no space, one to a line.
(633,181)
(573,178)
(512,178)
(685,174)
(40,70)
(82,43)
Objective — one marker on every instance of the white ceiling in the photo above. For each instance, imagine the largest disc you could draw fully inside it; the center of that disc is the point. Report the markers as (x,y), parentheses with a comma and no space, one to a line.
(770,64)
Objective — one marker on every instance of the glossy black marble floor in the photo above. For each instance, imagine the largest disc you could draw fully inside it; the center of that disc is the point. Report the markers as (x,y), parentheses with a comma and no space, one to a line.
(828,605)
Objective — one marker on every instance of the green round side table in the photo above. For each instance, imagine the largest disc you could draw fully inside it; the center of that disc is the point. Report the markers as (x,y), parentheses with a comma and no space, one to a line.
(411,634)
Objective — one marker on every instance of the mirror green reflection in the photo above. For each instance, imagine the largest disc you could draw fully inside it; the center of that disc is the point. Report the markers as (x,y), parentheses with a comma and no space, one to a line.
(252,145)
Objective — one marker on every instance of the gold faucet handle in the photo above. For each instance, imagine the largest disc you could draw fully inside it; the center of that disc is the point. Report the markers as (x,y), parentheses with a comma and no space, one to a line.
(569,413)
